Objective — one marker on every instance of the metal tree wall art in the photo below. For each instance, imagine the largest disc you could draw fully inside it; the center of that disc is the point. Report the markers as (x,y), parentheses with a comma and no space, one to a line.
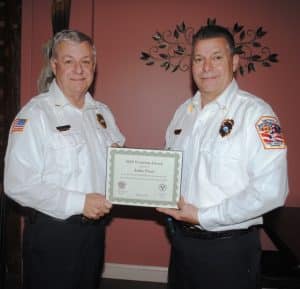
(172,48)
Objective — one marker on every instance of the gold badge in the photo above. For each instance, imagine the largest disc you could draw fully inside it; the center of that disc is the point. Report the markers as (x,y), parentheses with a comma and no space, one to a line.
(101,120)
(226,127)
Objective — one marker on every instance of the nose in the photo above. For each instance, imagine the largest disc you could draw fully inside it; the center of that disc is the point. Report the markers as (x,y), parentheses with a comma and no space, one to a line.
(207,65)
(78,68)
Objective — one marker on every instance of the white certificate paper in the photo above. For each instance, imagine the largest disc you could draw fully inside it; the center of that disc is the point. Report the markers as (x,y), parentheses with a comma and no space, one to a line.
(143,177)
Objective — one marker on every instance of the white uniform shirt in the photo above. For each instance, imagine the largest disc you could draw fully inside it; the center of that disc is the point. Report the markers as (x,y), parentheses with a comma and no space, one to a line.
(57,153)
(236,178)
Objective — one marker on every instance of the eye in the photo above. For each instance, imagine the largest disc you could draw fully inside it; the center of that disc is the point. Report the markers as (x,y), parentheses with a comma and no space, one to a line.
(218,57)
(86,62)
(67,61)
(197,59)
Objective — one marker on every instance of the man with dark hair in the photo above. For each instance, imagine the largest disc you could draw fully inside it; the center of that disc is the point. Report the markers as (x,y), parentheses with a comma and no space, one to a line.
(234,171)
(214,31)
(55,165)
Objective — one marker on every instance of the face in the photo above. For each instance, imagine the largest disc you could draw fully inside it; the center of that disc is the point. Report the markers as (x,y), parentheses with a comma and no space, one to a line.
(73,66)
(213,66)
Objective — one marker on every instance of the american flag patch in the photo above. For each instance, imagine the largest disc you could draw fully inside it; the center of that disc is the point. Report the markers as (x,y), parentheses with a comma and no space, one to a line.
(270,133)
(19,125)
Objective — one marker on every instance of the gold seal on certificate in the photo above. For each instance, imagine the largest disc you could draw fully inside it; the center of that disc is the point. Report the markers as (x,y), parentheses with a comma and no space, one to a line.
(143,177)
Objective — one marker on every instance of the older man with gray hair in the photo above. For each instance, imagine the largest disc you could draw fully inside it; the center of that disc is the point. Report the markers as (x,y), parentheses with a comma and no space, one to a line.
(55,165)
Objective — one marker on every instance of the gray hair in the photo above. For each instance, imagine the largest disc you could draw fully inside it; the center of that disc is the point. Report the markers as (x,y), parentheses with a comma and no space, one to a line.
(49,52)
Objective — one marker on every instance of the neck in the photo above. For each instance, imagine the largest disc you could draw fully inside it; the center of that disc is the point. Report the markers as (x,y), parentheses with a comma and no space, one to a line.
(77,101)
(207,98)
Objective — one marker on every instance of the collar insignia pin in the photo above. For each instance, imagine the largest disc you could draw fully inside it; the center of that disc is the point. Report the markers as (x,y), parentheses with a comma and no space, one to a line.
(190,107)
(226,127)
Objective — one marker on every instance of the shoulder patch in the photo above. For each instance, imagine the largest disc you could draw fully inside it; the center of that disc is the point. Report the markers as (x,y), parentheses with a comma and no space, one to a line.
(270,133)
(19,125)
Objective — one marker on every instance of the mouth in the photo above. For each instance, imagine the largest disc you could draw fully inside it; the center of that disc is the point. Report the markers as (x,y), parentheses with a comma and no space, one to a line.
(208,77)
(77,79)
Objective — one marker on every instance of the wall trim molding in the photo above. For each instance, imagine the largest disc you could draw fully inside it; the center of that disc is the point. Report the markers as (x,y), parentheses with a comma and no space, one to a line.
(135,272)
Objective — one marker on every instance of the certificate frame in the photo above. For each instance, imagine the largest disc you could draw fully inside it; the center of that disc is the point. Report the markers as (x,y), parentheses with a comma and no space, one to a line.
(143,177)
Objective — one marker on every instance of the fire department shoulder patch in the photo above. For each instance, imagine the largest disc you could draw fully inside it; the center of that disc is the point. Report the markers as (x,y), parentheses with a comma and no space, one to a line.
(270,133)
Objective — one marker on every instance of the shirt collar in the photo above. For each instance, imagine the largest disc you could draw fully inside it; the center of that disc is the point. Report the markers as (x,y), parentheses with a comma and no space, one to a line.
(60,100)
(89,102)
(223,100)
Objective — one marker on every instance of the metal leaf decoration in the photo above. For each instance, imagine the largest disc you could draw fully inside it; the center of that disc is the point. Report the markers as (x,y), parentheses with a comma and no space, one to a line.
(250,49)
(172,48)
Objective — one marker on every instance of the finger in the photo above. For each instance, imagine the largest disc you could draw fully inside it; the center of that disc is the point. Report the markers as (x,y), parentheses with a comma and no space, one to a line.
(86,215)
(106,210)
(171,212)
(91,216)
(100,215)
(181,203)
(108,205)
(163,210)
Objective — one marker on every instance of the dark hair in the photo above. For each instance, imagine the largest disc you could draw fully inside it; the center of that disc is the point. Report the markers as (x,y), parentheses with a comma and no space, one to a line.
(214,31)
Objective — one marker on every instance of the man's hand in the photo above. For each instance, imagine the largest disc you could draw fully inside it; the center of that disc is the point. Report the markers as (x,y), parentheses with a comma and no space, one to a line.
(115,145)
(96,206)
(187,213)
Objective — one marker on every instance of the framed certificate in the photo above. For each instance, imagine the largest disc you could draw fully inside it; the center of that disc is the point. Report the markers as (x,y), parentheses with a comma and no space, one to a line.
(143,177)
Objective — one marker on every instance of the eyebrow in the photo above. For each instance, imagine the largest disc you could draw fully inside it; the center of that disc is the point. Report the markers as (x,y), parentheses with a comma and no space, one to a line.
(70,56)
(214,52)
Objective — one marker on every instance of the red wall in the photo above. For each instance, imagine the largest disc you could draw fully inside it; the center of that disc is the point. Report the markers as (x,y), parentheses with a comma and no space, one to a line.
(144,98)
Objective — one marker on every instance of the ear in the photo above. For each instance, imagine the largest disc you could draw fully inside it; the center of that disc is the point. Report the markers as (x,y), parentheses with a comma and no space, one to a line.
(235,62)
(53,65)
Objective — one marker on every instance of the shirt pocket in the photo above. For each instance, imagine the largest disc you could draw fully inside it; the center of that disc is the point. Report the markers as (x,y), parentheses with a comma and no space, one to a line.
(178,139)
(226,167)
(64,150)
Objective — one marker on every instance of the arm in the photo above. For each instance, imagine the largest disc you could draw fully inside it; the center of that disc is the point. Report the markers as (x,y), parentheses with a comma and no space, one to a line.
(24,175)
(267,187)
